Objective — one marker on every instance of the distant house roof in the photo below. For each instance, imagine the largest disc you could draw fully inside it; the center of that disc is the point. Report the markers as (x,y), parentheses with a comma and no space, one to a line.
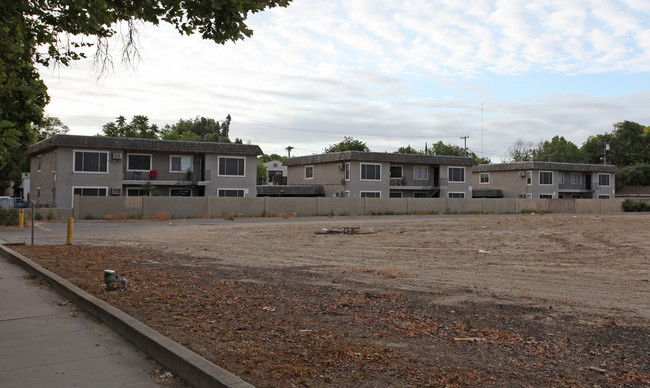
(290,191)
(346,156)
(577,167)
(633,191)
(132,144)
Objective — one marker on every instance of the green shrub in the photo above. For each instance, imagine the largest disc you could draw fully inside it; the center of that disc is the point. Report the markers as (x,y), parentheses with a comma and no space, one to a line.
(8,217)
(636,206)
(38,216)
(50,216)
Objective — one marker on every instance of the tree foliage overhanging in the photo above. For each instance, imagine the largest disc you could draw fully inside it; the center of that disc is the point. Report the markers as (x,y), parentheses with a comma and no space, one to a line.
(57,32)
(348,144)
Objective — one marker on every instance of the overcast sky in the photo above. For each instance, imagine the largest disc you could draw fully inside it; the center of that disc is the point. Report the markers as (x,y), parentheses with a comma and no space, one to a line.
(388,73)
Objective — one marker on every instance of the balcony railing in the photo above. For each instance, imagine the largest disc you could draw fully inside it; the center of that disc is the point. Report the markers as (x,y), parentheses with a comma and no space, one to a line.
(573,186)
(180,177)
(410,182)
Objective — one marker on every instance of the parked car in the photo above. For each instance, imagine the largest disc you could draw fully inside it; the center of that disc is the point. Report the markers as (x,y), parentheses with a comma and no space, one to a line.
(20,203)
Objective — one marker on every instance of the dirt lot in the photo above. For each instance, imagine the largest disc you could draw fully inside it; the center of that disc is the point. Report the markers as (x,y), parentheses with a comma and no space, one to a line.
(410,301)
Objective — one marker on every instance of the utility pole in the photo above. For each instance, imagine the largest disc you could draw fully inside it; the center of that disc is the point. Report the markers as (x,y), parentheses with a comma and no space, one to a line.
(464,148)
(289,151)
(481,130)
(605,153)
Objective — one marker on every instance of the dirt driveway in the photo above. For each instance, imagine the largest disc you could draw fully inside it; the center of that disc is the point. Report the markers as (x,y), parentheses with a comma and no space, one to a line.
(569,281)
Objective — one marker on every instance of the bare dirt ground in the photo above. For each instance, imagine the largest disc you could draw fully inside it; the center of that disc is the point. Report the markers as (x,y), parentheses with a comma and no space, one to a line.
(410,301)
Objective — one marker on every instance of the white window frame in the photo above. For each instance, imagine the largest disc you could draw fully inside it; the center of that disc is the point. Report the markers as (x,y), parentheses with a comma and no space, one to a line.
(150,162)
(529,178)
(609,179)
(426,173)
(480,178)
(545,196)
(309,168)
(74,158)
(455,168)
(171,158)
(361,194)
(243,191)
(560,178)
(401,168)
(136,188)
(460,193)
(347,172)
(603,196)
(369,164)
(230,157)
(88,187)
(540,178)
(576,181)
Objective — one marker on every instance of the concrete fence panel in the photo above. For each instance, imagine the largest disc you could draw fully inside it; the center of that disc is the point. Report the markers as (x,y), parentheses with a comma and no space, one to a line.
(464,205)
(386,205)
(500,205)
(528,204)
(341,206)
(56,213)
(587,206)
(224,207)
(426,205)
(611,205)
(303,207)
(562,205)
(99,207)
(176,206)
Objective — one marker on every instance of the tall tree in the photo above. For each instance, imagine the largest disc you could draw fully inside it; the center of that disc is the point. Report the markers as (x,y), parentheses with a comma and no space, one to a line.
(267,158)
(49,127)
(51,32)
(348,144)
(408,150)
(522,151)
(198,129)
(558,150)
(139,127)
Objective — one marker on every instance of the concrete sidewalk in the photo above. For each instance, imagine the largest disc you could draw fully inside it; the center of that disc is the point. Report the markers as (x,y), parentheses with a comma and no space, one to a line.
(46,342)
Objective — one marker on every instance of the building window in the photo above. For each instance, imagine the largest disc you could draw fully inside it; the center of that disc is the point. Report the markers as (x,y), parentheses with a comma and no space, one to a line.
(420,194)
(603,180)
(395,194)
(546,196)
(38,163)
(138,162)
(603,196)
(38,195)
(230,193)
(370,172)
(395,171)
(90,191)
(529,196)
(560,178)
(88,161)
(136,192)
(484,178)
(529,178)
(420,173)
(182,192)
(371,194)
(545,177)
(455,195)
(347,171)
(457,174)
(309,172)
(232,166)
(576,179)
(180,163)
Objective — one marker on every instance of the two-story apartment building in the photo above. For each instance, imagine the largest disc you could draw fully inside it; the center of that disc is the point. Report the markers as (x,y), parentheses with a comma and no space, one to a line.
(358,174)
(547,179)
(67,165)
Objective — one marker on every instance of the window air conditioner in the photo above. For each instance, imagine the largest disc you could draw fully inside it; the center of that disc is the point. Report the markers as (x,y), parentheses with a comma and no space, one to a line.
(522,173)
(116,156)
(341,166)
(117,191)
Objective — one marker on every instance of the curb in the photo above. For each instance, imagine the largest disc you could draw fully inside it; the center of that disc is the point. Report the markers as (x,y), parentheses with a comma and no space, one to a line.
(191,367)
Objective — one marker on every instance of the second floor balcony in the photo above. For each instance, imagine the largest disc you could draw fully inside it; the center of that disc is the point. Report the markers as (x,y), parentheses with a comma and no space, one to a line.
(167,177)
(405,183)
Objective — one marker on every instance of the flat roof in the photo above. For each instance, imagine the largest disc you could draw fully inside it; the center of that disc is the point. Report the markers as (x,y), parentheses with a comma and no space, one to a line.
(362,156)
(554,166)
(134,144)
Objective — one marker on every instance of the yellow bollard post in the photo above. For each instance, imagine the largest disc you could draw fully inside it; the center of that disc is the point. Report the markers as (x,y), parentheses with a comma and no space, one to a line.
(70,225)
(21,218)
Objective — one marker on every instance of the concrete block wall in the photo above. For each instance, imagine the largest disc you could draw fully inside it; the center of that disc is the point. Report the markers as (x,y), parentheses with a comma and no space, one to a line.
(197,207)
